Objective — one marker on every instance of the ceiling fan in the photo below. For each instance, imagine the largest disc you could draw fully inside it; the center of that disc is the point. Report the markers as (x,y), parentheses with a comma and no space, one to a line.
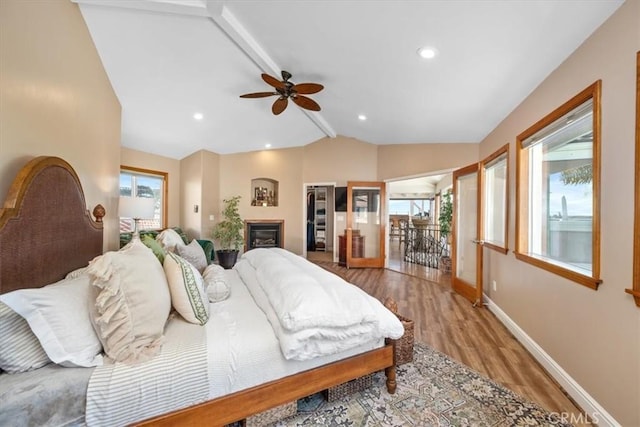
(285,90)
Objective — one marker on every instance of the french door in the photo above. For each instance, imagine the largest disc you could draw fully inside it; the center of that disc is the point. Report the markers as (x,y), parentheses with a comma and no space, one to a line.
(364,238)
(466,277)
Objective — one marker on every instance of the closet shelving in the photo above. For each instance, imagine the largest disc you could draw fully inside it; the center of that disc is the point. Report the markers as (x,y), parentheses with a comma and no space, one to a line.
(321,219)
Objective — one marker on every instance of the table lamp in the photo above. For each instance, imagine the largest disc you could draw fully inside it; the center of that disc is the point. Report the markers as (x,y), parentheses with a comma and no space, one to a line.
(136,208)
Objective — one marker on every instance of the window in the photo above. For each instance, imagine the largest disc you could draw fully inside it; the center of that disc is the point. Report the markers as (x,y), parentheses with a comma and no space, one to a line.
(495,178)
(138,182)
(557,191)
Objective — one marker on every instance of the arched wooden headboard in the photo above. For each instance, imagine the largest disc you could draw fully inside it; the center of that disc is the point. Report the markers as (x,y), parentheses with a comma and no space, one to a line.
(45,228)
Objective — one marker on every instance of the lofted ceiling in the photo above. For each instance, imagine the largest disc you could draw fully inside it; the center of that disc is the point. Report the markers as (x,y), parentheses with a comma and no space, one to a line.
(170,59)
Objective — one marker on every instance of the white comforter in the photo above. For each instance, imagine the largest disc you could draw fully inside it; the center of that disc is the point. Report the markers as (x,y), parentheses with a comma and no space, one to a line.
(313,312)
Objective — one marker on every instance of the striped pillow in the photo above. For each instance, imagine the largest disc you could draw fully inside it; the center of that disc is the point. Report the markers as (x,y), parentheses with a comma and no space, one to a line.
(20,350)
(187,289)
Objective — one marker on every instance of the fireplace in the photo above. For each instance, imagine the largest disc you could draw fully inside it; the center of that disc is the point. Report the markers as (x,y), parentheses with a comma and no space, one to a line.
(263,233)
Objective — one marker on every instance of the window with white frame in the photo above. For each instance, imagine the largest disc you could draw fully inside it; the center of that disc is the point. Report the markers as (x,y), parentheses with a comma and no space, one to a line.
(136,182)
(557,191)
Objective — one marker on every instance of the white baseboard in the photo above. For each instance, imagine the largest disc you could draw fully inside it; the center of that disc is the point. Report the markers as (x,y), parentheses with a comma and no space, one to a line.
(597,413)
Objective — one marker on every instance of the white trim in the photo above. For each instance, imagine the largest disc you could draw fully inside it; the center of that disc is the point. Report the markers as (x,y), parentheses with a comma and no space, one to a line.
(599,415)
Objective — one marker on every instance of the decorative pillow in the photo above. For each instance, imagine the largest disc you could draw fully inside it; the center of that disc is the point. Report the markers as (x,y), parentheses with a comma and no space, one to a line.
(76,273)
(20,350)
(187,289)
(58,314)
(132,302)
(213,269)
(155,247)
(193,253)
(215,283)
(169,239)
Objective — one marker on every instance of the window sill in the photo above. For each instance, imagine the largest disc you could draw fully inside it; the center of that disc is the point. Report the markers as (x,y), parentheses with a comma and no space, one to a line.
(636,295)
(495,247)
(588,281)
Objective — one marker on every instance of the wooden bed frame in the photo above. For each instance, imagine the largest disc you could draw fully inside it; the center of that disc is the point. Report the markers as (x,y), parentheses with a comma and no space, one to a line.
(46,232)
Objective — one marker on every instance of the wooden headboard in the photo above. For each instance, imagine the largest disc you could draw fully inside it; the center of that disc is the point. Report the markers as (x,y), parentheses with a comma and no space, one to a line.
(45,228)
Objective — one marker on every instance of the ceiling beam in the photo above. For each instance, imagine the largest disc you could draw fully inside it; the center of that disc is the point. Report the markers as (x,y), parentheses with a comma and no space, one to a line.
(228,23)
(177,8)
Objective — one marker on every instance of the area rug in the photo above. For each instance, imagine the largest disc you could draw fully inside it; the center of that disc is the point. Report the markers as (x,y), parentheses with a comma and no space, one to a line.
(433,390)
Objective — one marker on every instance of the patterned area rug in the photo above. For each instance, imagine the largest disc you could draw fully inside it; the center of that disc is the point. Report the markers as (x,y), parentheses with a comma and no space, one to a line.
(434,390)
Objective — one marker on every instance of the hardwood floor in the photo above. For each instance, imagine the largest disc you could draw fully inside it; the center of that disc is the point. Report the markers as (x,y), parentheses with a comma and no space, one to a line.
(473,336)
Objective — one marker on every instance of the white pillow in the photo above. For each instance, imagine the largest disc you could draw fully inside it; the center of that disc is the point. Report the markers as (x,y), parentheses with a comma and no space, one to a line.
(76,273)
(216,284)
(132,302)
(58,314)
(20,350)
(213,269)
(169,239)
(193,253)
(187,289)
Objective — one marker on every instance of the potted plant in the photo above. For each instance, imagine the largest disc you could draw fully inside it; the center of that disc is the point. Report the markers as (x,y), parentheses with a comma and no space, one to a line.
(229,233)
(444,219)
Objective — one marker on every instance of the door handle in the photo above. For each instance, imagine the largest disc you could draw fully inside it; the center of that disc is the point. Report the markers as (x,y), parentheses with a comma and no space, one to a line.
(478,242)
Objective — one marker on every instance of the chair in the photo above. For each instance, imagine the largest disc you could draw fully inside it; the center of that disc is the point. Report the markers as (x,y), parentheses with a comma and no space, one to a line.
(394,227)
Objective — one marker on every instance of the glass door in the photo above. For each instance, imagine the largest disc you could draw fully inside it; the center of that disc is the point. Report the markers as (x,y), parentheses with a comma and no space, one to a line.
(467,247)
(363,240)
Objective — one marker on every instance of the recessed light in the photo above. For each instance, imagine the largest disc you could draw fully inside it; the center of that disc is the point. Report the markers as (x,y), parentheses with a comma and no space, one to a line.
(362,117)
(427,52)
(198,116)
(267,145)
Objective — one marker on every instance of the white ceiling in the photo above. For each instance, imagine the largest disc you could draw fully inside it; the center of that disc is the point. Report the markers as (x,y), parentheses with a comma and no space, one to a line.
(415,188)
(168,59)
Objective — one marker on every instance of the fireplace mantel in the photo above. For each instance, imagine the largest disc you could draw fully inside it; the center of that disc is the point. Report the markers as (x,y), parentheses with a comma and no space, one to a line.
(263,233)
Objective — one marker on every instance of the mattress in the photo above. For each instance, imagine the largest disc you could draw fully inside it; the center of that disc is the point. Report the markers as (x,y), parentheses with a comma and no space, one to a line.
(242,352)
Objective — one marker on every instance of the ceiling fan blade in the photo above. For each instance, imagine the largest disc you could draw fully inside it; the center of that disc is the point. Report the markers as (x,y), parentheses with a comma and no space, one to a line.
(258,95)
(272,81)
(306,103)
(279,106)
(307,88)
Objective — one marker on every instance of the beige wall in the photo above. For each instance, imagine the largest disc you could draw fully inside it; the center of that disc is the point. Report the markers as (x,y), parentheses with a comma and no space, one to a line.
(339,160)
(210,192)
(284,166)
(55,99)
(199,186)
(191,193)
(593,335)
(140,159)
(405,160)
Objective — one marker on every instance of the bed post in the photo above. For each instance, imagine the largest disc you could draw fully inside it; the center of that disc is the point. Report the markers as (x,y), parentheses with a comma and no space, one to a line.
(390,373)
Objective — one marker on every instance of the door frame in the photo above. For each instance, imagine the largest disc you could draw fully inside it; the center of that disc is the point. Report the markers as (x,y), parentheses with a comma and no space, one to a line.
(378,262)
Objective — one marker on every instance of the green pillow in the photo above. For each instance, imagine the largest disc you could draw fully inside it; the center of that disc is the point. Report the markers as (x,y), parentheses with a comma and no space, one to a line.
(152,244)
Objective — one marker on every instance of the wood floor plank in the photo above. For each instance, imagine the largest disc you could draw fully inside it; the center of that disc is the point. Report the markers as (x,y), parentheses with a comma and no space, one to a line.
(450,324)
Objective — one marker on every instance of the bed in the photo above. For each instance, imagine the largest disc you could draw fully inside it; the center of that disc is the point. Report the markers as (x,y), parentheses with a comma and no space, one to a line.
(45,214)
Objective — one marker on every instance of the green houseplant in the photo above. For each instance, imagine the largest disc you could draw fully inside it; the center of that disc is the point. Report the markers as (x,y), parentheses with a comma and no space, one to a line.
(446,215)
(229,233)
(444,219)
